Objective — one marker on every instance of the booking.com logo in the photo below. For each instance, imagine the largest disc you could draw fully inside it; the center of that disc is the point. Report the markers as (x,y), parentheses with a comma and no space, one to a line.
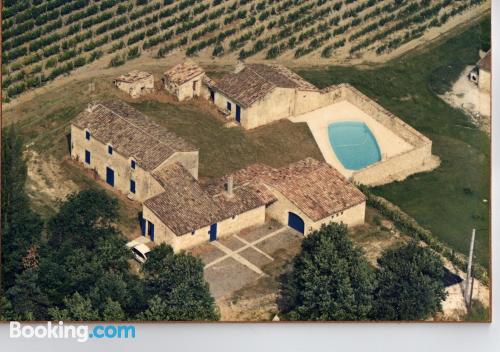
(79,332)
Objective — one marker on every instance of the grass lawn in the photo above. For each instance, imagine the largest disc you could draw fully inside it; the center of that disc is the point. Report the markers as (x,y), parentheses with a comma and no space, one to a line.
(223,150)
(449,200)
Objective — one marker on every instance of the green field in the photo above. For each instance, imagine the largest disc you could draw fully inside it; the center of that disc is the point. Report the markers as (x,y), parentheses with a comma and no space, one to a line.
(449,200)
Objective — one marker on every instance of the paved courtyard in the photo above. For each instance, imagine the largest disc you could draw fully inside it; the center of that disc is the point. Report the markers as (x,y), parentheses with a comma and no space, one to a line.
(239,260)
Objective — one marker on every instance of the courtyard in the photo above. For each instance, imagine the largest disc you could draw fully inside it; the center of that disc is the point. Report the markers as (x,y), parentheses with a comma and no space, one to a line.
(239,261)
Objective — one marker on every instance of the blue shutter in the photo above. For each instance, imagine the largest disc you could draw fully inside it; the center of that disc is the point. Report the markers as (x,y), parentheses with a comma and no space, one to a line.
(87,135)
(238,113)
(229,106)
(110,150)
(132,186)
(110,176)
(87,157)
(151,230)
(143,226)
(132,164)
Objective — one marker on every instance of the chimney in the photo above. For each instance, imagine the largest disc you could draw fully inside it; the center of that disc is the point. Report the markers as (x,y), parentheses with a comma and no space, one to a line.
(240,65)
(229,187)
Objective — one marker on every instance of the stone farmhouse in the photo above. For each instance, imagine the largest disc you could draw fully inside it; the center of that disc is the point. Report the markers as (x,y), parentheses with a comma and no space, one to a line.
(257,94)
(184,80)
(135,83)
(124,147)
(153,166)
(303,195)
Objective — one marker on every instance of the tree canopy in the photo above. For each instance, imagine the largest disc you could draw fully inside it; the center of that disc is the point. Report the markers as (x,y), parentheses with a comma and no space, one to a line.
(80,270)
(330,279)
(410,284)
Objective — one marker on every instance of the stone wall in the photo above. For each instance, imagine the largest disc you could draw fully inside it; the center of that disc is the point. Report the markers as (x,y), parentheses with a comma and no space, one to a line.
(279,211)
(307,101)
(386,118)
(276,105)
(137,88)
(185,91)
(395,168)
(163,234)
(398,166)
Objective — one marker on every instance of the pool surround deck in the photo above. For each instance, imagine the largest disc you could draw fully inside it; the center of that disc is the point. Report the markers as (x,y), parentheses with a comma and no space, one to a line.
(404,150)
(318,121)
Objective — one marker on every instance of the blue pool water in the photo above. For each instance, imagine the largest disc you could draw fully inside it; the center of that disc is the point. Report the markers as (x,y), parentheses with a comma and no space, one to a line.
(353,144)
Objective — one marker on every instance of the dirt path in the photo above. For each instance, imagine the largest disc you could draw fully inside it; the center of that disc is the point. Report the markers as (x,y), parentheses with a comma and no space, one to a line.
(147,61)
(465,95)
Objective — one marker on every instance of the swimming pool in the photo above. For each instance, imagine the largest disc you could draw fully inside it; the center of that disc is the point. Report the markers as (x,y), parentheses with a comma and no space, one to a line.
(354,144)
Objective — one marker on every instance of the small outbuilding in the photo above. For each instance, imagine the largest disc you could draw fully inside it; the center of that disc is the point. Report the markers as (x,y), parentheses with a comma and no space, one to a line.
(481,74)
(135,83)
(184,80)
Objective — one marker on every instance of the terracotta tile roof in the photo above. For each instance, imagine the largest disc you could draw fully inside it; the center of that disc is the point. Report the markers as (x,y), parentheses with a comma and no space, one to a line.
(184,72)
(133,76)
(314,187)
(185,206)
(248,177)
(485,62)
(131,133)
(255,81)
(281,76)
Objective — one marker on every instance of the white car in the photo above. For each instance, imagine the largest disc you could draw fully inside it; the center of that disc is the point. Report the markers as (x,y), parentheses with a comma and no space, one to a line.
(140,248)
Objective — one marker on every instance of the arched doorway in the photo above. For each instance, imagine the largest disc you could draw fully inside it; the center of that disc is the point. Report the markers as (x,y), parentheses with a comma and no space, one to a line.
(295,222)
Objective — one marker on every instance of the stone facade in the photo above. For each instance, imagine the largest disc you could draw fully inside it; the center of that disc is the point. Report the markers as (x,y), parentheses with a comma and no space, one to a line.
(163,234)
(136,83)
(145,185)
(184,81)
(280,209)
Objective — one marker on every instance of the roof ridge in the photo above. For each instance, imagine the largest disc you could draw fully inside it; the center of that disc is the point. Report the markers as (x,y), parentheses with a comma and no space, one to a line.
(265,79)
(139,128)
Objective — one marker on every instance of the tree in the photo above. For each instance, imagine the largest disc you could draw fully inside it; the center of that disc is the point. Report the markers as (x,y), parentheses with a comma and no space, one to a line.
(113,311)
(77,308)
(6,312)
(21,227)
(410,284)
(83,219)
(157,310)
(178,281)
(330,279)
(27,299)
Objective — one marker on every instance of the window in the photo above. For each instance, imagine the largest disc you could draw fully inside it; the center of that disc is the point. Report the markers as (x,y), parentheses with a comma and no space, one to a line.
(87,157)
(132,164)
(193,232)
(87,135)
(229,106)
(132,186)
(110,150)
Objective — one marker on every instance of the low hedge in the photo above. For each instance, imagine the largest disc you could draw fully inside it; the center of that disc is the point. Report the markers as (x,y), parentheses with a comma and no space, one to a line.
(410,226)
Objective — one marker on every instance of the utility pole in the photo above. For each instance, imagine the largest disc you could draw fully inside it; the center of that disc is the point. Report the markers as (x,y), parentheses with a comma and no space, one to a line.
(467,294)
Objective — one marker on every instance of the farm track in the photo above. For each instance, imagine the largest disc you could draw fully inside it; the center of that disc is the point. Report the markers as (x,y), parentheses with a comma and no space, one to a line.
(303,31)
